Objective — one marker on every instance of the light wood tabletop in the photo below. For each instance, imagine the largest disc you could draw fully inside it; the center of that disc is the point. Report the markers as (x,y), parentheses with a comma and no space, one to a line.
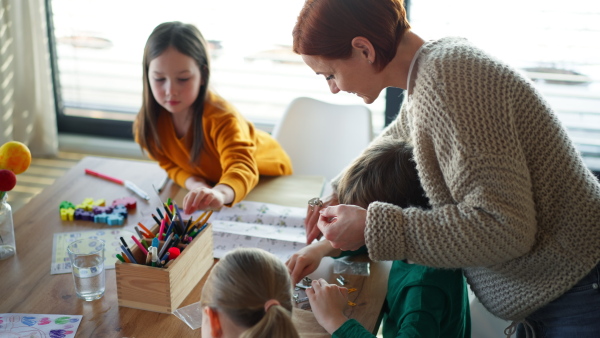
(26,285)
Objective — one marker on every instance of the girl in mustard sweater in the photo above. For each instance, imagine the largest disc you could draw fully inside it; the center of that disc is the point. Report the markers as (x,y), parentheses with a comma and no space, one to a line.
(202,141)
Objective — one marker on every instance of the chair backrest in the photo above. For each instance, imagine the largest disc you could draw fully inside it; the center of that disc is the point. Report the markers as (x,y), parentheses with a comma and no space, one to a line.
(323,138)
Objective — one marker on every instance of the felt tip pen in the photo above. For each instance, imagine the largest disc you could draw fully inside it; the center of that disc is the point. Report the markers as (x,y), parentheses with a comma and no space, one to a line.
(128,254)
(154,256)
(170,229)
(126,246)
(128,184)
(161,230)
(155,242)
(139,245)
(120,258)
(166,245)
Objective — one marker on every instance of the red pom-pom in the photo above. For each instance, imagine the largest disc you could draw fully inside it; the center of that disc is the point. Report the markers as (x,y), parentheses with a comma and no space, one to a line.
(173,252)
(8,180)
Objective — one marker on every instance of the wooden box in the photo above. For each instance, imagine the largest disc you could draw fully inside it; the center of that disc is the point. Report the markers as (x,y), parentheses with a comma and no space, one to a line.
(163,290)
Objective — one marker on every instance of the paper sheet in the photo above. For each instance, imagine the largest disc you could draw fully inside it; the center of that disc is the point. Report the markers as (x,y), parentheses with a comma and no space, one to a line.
(24,325)
(274,228)
(60,258)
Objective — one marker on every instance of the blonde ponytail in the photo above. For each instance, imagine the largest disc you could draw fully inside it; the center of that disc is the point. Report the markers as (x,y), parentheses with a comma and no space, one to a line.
(277,322)
(253,288)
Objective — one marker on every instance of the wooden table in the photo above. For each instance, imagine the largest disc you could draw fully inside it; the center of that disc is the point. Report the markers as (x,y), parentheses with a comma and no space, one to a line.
(26,285)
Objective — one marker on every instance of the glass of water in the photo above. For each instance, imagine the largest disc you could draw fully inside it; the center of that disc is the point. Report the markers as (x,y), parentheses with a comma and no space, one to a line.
(87,261)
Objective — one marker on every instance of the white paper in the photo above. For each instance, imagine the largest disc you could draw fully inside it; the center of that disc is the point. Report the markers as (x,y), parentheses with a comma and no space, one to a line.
(38,325)
(274,228)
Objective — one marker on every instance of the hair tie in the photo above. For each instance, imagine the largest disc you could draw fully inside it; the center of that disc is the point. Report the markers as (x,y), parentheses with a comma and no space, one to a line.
(270,303)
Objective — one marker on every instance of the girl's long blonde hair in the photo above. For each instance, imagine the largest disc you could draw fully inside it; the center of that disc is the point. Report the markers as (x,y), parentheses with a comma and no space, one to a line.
(242,282)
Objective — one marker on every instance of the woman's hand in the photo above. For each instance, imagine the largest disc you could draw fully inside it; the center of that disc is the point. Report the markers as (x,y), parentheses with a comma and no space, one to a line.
(307,259)
(312,216)
(327,302)
(343,226)
(203,198)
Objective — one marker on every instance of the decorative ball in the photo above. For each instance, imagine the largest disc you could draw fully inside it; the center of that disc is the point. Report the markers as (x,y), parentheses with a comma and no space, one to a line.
(15,156)
(8,180)
(173,252)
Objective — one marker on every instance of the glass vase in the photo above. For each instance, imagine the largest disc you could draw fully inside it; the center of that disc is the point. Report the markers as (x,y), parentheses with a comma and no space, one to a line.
(8,246)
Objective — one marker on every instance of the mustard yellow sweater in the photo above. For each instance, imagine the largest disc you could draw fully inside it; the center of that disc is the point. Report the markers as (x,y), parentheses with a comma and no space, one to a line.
(234,152)
(512,201)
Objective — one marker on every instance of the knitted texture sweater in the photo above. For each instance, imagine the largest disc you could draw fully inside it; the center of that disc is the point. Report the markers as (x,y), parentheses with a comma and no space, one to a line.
(512,202)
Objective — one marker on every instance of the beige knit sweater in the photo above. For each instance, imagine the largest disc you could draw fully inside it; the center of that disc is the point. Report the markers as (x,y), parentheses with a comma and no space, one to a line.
(512,202)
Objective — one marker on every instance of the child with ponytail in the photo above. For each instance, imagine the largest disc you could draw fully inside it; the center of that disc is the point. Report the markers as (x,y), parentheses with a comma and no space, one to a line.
(248,294)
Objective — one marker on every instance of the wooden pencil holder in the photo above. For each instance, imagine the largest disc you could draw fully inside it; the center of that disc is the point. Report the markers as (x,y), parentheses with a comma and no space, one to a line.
(164,289)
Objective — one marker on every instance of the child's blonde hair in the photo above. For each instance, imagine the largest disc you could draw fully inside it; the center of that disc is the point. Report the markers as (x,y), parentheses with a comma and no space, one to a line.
(386,172)
(243,284)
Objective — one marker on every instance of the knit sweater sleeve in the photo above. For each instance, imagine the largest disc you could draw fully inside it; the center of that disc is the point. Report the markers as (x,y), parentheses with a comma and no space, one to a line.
(471,165)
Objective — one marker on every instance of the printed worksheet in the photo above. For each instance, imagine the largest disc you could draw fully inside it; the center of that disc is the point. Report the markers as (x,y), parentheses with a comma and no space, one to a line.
(60,258)
(27,325)
(274,228)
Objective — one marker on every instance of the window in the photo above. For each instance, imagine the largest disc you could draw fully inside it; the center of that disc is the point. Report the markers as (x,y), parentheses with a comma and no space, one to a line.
(553,42)
(98,48)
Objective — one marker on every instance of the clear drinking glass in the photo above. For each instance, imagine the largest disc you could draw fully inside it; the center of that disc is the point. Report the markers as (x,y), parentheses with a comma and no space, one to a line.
(87,261)
(8,246)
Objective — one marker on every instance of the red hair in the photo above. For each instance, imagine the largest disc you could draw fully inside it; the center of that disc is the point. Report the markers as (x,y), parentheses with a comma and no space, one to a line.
(326,28)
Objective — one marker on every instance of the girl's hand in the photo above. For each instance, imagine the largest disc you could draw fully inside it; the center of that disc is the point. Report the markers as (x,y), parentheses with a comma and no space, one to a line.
(344,226)
(202,199)
(327,302)
(307,259)
(312,216)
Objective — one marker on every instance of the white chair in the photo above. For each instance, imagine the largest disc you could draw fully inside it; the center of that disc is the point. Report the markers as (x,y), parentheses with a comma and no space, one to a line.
(323,138)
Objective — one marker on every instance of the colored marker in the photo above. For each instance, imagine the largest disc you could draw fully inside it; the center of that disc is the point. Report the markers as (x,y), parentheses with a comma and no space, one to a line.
(128,184)
(120,258)
(154,256)
(139,245)
(166,245)
(126,247)
(128,254)
(161,230)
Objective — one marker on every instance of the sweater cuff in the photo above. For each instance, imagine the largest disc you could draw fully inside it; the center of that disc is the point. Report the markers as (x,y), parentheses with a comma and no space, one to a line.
(384,232)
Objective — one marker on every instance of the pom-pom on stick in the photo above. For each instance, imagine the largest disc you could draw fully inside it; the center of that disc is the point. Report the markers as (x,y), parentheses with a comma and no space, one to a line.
(173,252)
